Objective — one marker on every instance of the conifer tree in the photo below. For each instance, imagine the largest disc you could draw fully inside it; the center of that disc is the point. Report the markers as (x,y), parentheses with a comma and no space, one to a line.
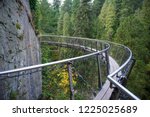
(83,19)
(107,20)
(60,24)
(56,5)
(65,9)
(96,10)
(96,7)
(66,24)
(67,6)
(75,6)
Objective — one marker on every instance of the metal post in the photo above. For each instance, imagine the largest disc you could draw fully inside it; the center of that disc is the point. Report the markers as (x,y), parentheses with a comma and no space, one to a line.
(131,66)
(70,81)
(99,72)
(107,60)
(91,46)
(96,46)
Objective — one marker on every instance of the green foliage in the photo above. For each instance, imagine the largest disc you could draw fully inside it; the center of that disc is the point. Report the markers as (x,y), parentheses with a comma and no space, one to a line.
(96,10)
(33,4)
(18,26)
(48,18)
(96,7)
(67,6)
(129,7)
(21,36)
(83,20)
(107,20)
(66,24)
(56,5)
(45,16)
(145,14)
(13,95)
(75,6)
(133,33)
(60,24)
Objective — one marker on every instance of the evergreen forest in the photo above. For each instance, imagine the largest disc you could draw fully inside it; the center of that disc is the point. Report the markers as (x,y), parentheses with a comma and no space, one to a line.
(123,21)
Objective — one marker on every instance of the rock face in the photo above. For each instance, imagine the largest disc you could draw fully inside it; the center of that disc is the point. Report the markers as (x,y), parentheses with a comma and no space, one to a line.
(19,47)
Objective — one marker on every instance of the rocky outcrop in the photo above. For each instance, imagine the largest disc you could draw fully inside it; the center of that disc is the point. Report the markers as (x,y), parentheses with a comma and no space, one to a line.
(19,47)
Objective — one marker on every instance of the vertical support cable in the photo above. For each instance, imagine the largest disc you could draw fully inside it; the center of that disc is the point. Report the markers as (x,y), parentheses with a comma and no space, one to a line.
(107,60)
(99,72)
(70,81)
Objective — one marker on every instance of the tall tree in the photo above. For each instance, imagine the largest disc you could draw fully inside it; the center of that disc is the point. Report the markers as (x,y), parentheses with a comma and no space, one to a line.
(67,6)
(96,7)
(96,10)
(66,24)
(83,19)
(107,20)
(56,5)
(75,6)
(145,14)
(60,24)
(65,9)
(47,18)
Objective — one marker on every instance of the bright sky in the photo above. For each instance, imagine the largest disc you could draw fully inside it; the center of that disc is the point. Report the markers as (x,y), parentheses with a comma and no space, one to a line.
(51,1)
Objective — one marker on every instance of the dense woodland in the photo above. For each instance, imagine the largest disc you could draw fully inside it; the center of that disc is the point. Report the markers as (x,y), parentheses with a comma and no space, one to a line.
(122,21)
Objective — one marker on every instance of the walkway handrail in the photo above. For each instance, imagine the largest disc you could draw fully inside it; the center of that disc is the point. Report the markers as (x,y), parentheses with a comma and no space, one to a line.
(57,62)
(110,76)
(48,64)
(96,52)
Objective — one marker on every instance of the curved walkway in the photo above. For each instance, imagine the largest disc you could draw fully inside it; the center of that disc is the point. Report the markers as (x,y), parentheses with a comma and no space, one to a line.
(95,47)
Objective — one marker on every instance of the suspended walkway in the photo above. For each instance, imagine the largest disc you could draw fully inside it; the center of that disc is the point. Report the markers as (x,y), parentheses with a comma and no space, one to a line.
(117,60)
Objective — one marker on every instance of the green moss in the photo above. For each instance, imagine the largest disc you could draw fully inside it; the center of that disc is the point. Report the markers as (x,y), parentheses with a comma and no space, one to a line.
(18,26)
(13,95)
(21,36)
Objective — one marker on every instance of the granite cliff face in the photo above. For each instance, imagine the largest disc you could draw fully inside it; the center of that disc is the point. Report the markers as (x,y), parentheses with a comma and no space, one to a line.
(19,47)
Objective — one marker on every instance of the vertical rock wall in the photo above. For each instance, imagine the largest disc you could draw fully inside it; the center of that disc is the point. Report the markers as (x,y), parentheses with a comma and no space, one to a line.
(19,47)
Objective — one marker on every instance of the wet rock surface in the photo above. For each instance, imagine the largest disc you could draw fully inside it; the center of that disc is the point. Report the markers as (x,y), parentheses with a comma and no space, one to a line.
(19,47)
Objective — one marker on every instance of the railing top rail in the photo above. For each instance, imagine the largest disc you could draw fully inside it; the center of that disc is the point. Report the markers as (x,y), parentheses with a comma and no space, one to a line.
(80,38)
(110,76)
(56,62)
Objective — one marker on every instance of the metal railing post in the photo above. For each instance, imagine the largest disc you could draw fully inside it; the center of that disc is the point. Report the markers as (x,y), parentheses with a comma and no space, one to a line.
(133,60)
(107,60)
(70,81)
(99,72)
